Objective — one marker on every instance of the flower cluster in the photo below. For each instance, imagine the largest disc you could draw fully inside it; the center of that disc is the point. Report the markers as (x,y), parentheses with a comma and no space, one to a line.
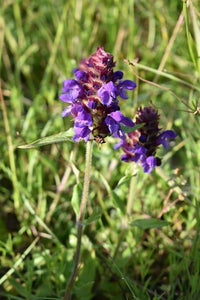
(93,98)
(141,145)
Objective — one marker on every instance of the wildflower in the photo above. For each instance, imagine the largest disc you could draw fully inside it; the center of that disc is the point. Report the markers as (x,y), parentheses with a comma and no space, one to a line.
(141,145)
(93,98)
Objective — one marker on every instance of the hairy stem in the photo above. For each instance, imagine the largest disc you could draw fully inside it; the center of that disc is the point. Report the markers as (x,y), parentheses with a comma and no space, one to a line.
(80,219)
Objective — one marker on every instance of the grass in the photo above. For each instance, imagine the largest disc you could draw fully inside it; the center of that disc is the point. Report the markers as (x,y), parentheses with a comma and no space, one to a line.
(40,43)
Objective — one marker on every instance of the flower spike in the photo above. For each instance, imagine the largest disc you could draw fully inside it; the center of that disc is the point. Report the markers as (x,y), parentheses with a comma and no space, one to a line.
(93,98)
(141,145)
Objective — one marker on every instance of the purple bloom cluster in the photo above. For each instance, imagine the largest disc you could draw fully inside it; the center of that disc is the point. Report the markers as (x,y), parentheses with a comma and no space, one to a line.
(141,145)
(93,98)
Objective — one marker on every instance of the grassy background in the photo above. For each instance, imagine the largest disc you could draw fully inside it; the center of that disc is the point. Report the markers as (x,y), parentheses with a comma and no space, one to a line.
(40,43)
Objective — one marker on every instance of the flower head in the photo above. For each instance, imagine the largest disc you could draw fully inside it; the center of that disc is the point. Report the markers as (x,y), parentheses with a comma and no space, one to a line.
(141,145)
(93,98)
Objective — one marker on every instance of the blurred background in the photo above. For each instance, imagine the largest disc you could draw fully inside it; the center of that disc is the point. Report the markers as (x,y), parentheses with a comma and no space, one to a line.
(40,43)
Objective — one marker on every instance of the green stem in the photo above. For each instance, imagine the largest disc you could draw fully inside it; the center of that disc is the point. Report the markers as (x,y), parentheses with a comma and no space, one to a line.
(80,219)
(164,74)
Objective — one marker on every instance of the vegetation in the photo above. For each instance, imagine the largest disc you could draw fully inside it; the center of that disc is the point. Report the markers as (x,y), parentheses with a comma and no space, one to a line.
(142,233)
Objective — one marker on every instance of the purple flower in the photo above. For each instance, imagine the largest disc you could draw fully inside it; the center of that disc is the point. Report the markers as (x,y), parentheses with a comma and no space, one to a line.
(81,75)
(72,90)
(93,98)
(81,132)
(117,75)
(125,85)
(67,111)
(141,145)
(126,157)
(164,138)
(148,164)
(113,121)
(107,93)
(118,117)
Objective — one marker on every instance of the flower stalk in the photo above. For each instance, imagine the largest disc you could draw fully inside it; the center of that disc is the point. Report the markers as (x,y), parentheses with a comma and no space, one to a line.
(80,219)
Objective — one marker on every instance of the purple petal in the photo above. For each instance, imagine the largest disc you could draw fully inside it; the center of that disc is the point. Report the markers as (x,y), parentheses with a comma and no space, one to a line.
(70,83)
(137,157)
(66,98)
(107,93)
(105,97)
(168,134)
(143,138)
(92,104)
(76,108)
(113,107)
(116,115)
(128,84)
(119,144)
(66,111)
(149,164)
(72,90)
(127,122)
(164,136)
(119,117)
(81,114)
(81,75)
(117,75)
(113,126)
(125,85)
(84,118)
(81,132)
(139,149)
(119,134)
(74,70)
(126,157)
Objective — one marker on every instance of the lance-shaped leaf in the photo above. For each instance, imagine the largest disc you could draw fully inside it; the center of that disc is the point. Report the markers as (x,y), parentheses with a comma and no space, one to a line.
(55,138)
(130,129)
(149,223)
(95,216)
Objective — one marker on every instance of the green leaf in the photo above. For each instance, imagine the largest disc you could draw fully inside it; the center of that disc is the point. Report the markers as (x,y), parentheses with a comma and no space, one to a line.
(18,287)
(130,129)
(55,138)
(113,195)
(83,287)
(149,223)
(96,215)
(117,201)
(124,180)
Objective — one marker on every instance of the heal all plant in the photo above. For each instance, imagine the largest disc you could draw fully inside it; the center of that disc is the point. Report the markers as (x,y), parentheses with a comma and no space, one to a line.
(94,105)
